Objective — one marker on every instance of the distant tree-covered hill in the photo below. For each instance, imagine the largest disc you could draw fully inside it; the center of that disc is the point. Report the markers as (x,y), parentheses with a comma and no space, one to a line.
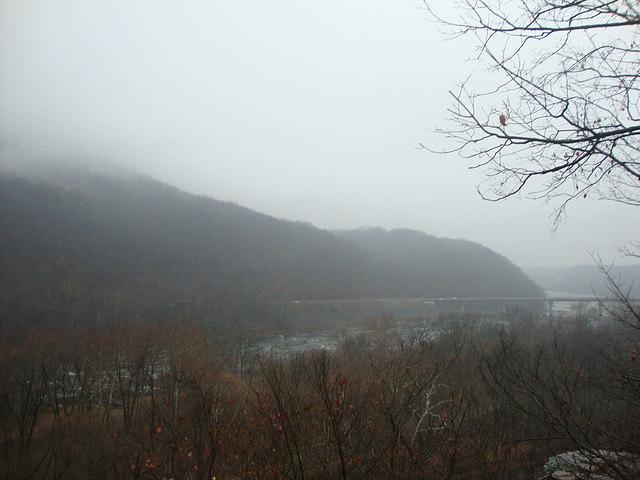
(442,267)
(86,247)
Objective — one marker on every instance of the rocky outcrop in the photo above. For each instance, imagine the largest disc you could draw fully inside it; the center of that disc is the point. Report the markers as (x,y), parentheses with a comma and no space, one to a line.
(592,465)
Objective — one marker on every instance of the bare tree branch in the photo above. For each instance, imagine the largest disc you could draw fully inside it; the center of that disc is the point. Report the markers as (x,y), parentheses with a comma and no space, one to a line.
(562,120)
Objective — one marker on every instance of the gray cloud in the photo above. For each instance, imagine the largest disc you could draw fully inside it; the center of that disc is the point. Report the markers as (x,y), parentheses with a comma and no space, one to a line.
(303,110)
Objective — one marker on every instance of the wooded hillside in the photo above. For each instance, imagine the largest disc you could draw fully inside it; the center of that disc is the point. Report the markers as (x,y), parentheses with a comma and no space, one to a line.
(94,248)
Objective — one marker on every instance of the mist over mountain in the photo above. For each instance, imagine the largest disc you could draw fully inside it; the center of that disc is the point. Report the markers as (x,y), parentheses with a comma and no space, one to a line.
(83,246)
(586,279)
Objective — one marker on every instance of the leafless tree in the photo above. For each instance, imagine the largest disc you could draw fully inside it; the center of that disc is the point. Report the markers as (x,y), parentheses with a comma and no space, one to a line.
(625,309)
(558,118)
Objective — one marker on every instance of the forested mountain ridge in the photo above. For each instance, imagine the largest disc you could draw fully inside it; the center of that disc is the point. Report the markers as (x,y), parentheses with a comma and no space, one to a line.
(468,268)
(93,247)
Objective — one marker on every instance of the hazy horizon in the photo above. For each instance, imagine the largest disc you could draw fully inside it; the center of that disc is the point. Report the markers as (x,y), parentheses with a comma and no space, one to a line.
(306,112)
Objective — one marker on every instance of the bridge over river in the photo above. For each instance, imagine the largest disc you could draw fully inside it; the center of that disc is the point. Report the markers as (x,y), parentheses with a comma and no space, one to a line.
(554,298)
(549,300)
(456,303)
(319,323)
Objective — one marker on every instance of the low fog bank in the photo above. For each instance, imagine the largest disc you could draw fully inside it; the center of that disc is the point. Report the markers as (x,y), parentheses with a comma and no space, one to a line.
(586,279)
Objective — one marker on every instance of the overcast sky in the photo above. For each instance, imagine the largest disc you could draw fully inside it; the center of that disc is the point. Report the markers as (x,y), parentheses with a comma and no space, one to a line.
(303,110)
